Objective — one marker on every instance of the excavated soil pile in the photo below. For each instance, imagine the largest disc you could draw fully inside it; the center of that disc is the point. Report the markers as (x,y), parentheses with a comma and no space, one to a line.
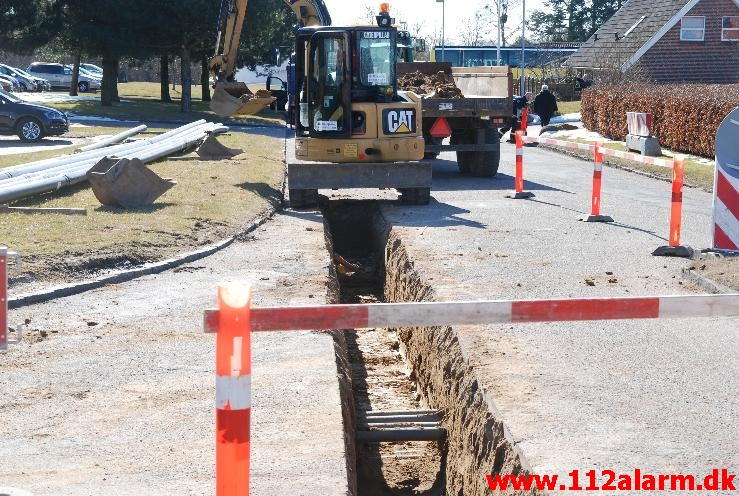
(259,94)
(439,85)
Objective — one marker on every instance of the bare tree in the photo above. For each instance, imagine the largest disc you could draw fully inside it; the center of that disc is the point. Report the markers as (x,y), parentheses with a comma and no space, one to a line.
(502,7)
(477,28)
(367,13)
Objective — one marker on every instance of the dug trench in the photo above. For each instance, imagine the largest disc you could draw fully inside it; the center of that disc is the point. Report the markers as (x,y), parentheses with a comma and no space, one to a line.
(408,370)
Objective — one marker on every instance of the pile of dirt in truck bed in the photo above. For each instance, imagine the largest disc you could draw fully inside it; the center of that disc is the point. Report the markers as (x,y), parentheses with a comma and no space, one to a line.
(439,85)
(259,94)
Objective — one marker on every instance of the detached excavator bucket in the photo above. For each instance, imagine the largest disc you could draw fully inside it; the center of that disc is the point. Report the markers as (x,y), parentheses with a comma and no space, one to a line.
(236,99)
(126,183)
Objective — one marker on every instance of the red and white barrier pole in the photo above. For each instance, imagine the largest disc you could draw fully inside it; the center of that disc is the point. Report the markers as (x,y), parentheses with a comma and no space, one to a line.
(233,390)
(446,313)
(595,202)
(674,248)
(519,194)
(3,298)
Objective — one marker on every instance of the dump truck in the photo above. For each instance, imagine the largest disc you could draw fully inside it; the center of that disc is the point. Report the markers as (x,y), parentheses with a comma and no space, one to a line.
(471,123)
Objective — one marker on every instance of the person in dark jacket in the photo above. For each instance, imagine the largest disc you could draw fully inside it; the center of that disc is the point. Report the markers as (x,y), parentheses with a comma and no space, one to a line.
(545,105)
(514,122)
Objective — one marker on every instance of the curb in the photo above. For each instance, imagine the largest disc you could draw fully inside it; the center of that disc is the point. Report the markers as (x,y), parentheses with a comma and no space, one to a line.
(147,269)
(125,276)
(708,284)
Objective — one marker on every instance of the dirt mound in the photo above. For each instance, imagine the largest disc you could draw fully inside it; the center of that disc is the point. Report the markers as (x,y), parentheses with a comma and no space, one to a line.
(439,85)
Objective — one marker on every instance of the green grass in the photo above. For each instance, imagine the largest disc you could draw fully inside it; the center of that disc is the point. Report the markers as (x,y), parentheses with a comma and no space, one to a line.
(142,104)
(24,158)
(75,132)
(211,201)
(568,107)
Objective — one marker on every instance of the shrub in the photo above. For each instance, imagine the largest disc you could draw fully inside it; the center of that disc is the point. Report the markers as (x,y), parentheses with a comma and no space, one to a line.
(685,117)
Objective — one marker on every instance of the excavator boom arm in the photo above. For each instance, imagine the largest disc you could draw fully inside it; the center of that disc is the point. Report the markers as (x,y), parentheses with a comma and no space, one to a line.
(231,21)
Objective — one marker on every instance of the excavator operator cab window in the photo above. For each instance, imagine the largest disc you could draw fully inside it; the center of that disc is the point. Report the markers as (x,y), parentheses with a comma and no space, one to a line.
(328,92)
(377,56)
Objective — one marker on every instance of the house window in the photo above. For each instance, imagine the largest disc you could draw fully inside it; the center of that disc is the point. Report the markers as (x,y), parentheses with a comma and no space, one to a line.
(730,28)
(693,28)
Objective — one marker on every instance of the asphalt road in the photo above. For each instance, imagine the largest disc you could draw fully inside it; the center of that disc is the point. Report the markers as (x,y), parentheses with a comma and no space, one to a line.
(655,395)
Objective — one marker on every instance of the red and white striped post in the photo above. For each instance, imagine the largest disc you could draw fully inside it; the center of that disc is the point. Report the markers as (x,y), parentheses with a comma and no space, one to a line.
(595,202)
(519,194)
(674,248)
(233,390)
(3,298)
(725,230)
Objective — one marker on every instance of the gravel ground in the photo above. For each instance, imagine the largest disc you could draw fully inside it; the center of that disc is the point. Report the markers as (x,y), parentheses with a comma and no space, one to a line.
(654,395)
(113,391)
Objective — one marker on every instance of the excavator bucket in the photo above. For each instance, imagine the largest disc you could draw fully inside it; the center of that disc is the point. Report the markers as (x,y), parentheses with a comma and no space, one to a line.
(126,183)
(233,99)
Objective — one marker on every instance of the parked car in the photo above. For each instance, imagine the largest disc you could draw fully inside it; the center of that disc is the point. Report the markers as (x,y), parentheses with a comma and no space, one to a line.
(86,73)
(92,68)
(25,83)
(61,77)
(31,122)
(10,83)
(41,83)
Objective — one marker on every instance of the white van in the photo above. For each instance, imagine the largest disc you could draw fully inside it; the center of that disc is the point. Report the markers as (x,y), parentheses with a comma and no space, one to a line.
(61,77)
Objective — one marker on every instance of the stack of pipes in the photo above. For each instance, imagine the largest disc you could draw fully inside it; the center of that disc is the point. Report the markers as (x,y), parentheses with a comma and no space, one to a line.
(29,179)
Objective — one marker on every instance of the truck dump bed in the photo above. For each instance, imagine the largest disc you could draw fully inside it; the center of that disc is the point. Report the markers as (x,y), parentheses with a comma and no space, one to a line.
(487,91)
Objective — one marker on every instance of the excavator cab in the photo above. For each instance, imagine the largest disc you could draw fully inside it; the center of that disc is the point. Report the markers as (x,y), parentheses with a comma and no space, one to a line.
(349,106)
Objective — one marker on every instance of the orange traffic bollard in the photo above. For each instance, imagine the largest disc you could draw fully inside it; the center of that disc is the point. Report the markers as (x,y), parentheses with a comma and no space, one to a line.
(233,390)
(525,119)
(595,215)
(674,248)
(519,193)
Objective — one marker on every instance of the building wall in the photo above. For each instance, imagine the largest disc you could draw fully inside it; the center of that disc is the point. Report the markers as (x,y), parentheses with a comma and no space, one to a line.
(710,61)
(511,56)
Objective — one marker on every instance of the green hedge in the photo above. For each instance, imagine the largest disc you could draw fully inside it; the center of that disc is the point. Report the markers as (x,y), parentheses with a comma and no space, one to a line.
(685,117)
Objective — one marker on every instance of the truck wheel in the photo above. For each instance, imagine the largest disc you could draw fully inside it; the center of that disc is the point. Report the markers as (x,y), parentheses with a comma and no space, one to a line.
(415,196)
(303,198)
(432,141)
(462,157)
(485,164)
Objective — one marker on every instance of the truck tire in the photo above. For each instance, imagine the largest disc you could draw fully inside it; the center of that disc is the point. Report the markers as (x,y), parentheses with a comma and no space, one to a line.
(303,198)
(462,157)
(432,141)
(415,196)
(481,164)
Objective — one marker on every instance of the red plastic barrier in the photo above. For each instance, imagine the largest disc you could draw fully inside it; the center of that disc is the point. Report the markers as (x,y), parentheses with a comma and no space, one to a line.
(676,211)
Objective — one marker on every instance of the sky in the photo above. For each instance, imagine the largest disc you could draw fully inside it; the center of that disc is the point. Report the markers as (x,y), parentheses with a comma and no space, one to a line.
(428,12)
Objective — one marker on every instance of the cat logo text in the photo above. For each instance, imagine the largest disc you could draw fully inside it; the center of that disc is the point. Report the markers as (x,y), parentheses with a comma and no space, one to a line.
(399,121)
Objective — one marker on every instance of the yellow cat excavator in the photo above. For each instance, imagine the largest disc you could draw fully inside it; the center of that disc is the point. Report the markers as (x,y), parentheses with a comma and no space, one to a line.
(354,129)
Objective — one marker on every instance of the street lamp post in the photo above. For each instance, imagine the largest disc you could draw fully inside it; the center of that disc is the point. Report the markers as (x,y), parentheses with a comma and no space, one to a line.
(497,4)
(523,51)
(443,19)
